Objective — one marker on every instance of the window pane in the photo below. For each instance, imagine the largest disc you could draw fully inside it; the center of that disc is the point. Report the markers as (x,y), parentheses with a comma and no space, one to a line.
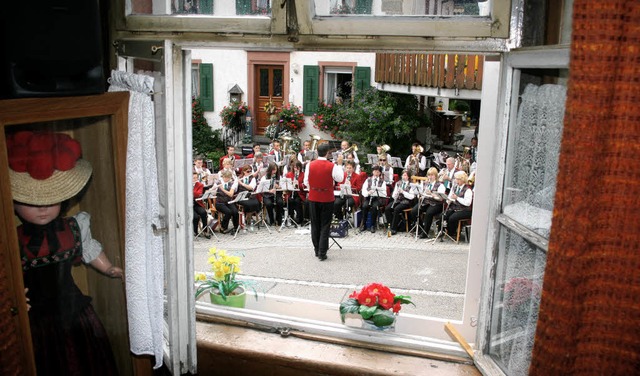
(516,300)
(264,82)
(205,7)
(401,8)
(534,145)
(277,82)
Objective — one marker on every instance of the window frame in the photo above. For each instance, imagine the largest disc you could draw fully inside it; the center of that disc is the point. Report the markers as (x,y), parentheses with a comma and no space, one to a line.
(544,57)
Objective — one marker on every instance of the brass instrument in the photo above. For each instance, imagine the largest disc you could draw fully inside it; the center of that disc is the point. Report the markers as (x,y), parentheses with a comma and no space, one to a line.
(286,144)
(351,149)
(414,162)
(386,148)
(314,141)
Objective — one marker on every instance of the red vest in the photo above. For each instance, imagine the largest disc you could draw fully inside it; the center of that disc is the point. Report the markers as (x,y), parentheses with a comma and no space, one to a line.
(321,181)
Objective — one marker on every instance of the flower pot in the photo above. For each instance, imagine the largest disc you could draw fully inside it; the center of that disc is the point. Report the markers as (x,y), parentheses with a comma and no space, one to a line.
(237,300)
(368,324)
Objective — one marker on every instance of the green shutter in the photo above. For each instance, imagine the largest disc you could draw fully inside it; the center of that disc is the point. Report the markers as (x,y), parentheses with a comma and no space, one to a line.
(310,88)
(362,7)
(363,78)
(206,86)
(206,7)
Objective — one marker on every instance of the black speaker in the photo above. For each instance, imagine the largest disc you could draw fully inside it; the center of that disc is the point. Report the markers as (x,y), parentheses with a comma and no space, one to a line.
(51,48)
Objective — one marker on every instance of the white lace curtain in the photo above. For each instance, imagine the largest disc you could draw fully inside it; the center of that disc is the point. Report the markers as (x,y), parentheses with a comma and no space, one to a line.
(144,267)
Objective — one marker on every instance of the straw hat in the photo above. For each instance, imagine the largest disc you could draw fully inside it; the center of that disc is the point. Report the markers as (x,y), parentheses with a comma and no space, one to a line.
(45,168)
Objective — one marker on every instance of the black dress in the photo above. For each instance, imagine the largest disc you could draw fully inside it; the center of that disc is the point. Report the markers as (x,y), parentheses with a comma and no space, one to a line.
(68,337)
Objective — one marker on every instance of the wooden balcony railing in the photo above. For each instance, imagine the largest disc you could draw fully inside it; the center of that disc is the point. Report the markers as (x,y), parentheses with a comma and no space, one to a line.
(448,71)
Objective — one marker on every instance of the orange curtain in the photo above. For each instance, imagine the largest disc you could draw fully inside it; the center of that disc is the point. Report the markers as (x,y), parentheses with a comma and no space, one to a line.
(589,320)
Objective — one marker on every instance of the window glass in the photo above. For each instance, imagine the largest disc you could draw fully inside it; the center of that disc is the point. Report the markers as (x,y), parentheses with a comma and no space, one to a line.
(204,7)
(534,147)
(264,82)
(517,299)
(277,82)
(401,8)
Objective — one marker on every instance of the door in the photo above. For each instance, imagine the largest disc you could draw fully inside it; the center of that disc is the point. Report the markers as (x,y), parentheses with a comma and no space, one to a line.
(169,66)
(268,87)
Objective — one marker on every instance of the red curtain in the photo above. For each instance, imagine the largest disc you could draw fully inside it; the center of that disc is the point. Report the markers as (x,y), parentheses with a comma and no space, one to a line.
(589,320)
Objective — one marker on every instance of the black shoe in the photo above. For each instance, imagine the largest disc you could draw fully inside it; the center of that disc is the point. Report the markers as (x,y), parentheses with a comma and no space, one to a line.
(207,236)
(322,257)
(373,229)
(233,232)
(393,232)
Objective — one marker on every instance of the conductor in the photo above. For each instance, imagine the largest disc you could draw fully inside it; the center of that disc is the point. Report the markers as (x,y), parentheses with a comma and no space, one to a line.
(320,177)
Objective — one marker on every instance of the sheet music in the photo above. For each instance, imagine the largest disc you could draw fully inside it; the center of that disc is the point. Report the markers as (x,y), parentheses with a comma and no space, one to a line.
(240,197)
(269,158)
(239,163)
(415,187)
(345,190)
(379,192)
(396,162)
(372,159)
(286,184)
(208,194)
(263,186)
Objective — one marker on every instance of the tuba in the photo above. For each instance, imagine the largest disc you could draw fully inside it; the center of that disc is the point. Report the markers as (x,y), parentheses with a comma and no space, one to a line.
(386,148)
(414,162)
(286,144)
(314,141)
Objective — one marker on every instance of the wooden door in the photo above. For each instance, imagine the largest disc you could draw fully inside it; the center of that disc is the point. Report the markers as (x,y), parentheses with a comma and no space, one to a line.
(269,85)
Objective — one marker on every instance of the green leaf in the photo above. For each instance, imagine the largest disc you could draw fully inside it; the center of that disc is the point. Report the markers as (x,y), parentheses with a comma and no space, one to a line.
(383,318)
(404,299)
(348,306)
(367,312)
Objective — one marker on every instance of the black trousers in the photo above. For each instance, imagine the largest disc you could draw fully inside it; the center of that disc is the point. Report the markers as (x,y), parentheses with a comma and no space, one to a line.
(431,212)
(342,203)
(274,205)
(393,213)
(295,206)
(452,218)
(320,214)
(199,214)
(372,207)
(230,212)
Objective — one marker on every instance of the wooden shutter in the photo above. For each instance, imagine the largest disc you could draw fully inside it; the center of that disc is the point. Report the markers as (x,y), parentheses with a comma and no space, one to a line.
(206,86)
(310,89)
(362,78)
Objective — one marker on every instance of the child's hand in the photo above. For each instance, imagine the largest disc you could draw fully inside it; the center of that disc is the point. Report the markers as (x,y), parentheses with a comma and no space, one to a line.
(114,272)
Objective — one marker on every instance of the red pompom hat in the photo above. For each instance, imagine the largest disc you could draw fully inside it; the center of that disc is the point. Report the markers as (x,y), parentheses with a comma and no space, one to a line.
(45,168)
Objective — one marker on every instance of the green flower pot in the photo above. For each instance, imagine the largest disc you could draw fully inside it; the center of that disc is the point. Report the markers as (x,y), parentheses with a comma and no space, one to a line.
(237,300)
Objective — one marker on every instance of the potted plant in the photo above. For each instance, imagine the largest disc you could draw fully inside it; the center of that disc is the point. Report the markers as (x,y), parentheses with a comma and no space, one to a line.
(376,304)
(291,118)
(222,284)
(232,116)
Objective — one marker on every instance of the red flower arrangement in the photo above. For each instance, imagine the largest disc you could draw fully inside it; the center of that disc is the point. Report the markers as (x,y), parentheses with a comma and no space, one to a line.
(291,118)
(376,303)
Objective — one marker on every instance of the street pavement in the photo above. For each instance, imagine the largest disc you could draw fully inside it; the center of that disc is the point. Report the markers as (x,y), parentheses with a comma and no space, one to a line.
(283,263)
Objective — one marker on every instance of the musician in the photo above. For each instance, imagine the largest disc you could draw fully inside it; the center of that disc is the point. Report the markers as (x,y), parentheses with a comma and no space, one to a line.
(199,210)
(351,157)
(225,193)
(344,204)
(295,201)
(446,174)
(277,153)
(199,168)
(248,183)
(227,165)
(258,166)
(256,150)
(306,146)
(289,166)
(431,203)
(385,169)
(231,155)
(272,199)
(344,145)
(320,177)
(416,163)
(461,197)
(401,198)
(374,193)
(382,153)
(473,150)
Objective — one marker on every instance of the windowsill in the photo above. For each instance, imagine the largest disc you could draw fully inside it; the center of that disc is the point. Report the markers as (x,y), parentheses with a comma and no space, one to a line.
(241,350)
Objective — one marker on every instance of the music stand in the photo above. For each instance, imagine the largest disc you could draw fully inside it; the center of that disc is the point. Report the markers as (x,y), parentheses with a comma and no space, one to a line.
(421,197)
(396,162)
(263,186)
(242,196)
(334,242)
(345,191)
(443,223)
(372,159)
(287,185)
(207,227)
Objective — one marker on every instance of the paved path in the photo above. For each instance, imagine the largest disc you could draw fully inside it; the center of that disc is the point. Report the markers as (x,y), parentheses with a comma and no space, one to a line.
(284,264)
